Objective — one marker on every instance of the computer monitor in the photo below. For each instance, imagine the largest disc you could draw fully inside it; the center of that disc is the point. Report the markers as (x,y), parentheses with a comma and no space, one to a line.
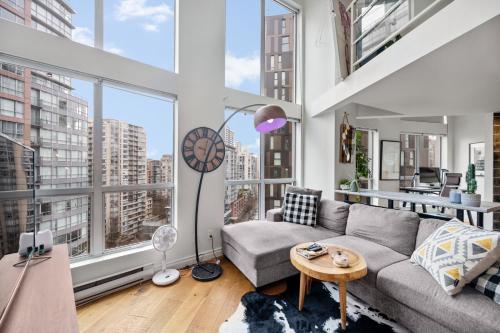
(429,175)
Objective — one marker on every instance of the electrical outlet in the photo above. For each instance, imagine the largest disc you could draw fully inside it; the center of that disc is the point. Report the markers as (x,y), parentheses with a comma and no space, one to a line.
(210,233)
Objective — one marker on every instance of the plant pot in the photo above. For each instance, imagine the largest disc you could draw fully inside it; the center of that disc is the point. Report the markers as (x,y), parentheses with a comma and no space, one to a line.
(471,199)
(455,196)
(345,187)
(354,186)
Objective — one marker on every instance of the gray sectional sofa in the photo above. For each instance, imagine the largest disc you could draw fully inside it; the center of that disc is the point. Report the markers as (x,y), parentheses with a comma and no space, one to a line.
(386,238)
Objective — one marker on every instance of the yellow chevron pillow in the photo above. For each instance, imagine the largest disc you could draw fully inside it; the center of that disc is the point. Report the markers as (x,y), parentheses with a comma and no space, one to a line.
(457,253)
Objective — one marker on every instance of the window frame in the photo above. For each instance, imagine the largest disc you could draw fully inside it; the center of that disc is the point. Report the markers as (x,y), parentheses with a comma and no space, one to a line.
(262,181)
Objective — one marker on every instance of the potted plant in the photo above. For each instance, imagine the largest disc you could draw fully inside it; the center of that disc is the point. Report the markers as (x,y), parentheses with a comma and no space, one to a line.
(470,198)
(345,184)
(362,167)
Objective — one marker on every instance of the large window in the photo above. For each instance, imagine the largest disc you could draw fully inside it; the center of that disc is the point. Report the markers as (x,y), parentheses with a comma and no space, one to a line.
(258,167)
(256,57)
(141,30)
(137,150)
(418,150)
(51,114)
(55,116)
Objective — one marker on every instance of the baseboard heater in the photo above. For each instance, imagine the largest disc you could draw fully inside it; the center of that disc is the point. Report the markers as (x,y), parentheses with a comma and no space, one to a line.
(92,290)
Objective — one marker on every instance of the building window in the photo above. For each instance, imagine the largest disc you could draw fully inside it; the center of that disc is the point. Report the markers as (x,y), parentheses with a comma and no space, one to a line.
(272,64)
(280,62)
(11,108)
(283,78)
(285,44)
(283,25)
(275,79)
(255,177)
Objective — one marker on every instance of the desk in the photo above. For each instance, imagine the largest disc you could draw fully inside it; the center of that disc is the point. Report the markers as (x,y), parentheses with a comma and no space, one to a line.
(421,189)
(45,301)
(413,199)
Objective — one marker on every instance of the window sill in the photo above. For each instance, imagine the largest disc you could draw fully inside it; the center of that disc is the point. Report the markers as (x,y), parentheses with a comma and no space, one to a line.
(86,261)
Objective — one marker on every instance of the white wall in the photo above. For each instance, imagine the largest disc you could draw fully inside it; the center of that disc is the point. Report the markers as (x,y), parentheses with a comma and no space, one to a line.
(319,71)
(471,129)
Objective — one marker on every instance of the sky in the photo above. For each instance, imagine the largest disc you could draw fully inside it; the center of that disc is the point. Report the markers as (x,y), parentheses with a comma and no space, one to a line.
(143,30)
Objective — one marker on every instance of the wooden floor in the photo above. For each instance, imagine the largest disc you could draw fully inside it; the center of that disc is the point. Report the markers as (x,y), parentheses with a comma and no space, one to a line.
(186,306)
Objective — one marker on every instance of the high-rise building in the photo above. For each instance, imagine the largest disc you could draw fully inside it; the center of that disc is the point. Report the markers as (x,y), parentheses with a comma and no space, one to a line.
(240,201)
(280,57)
(154,171)
(278,161)
(123,163)
(38,109)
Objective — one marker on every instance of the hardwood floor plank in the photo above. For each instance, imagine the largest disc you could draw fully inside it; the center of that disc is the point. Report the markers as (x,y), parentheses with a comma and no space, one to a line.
(187,306)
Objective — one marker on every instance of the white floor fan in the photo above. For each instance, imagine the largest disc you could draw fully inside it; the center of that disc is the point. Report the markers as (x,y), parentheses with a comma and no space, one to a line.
(163,240)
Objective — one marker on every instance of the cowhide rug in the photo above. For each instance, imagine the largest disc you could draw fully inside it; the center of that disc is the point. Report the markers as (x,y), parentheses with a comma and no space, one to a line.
(321,313)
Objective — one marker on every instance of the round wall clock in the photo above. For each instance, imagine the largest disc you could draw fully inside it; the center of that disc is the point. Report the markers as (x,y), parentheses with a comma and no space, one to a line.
(196,146)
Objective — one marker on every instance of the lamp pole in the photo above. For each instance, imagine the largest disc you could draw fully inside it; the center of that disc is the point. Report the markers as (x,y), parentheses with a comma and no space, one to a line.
(207,272)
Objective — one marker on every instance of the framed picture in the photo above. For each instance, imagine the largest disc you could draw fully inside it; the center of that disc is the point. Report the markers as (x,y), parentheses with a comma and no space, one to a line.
(476,157)
(390,155)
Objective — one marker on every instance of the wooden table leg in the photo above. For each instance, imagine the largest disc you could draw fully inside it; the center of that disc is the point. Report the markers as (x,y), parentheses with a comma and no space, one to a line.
(343,305)
(302,290)
(308,287)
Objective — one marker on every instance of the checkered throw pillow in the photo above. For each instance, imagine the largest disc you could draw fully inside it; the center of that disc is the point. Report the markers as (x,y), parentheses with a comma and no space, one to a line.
(300,208)
(489,283)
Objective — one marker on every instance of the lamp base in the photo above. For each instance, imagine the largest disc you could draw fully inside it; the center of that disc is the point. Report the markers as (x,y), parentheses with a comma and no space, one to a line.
(206,272)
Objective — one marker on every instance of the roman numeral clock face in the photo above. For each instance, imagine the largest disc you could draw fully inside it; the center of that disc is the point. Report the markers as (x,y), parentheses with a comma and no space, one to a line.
(203,149)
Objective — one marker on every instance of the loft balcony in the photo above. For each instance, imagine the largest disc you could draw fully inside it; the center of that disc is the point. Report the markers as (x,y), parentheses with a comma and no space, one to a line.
(448,53)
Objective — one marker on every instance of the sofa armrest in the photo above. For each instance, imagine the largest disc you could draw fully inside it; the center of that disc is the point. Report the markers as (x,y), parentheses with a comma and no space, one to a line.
(274,215)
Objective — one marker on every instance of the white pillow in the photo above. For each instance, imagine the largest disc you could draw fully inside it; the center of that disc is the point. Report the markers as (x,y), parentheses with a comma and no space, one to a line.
(457,253)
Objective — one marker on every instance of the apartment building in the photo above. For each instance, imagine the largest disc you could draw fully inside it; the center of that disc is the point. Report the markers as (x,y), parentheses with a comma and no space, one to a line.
(279,81)
(38,109)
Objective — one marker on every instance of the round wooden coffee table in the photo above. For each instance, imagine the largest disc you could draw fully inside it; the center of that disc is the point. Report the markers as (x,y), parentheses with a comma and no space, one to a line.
(323,269)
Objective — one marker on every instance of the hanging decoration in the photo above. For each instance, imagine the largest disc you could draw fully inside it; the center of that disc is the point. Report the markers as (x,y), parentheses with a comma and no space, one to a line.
(346,135)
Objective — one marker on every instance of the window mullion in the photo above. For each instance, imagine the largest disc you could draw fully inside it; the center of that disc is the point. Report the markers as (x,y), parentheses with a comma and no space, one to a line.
(262,187)
(97,220)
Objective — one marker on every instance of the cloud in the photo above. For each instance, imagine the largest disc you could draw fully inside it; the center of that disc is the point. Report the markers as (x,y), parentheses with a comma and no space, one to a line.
(239,70)
(83,35)
(131,9)
(113,49)
(150,27)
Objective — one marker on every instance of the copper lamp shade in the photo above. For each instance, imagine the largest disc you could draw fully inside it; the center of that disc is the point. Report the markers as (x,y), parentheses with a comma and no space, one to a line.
(269,118)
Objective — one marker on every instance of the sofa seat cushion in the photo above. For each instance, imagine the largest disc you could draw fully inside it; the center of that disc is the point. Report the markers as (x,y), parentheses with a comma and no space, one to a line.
(265,243)
(395,229)
(411,285)
(376,256)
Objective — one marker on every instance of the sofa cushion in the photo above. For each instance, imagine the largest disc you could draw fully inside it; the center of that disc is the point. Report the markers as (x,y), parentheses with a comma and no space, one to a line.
(265,243)
(411,285)
(376,256)
(457,253)
(395,229)
(426,228)
(333,215)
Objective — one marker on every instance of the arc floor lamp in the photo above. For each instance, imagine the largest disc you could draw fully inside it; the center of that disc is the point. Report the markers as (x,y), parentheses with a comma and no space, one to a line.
(203,150)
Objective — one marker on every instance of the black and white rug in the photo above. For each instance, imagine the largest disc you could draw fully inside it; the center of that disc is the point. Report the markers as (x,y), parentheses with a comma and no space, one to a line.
(321,313)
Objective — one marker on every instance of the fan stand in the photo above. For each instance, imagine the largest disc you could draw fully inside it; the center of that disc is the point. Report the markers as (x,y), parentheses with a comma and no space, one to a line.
(167,275)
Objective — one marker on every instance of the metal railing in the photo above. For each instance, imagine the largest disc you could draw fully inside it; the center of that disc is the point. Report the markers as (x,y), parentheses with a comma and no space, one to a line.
(377,24)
